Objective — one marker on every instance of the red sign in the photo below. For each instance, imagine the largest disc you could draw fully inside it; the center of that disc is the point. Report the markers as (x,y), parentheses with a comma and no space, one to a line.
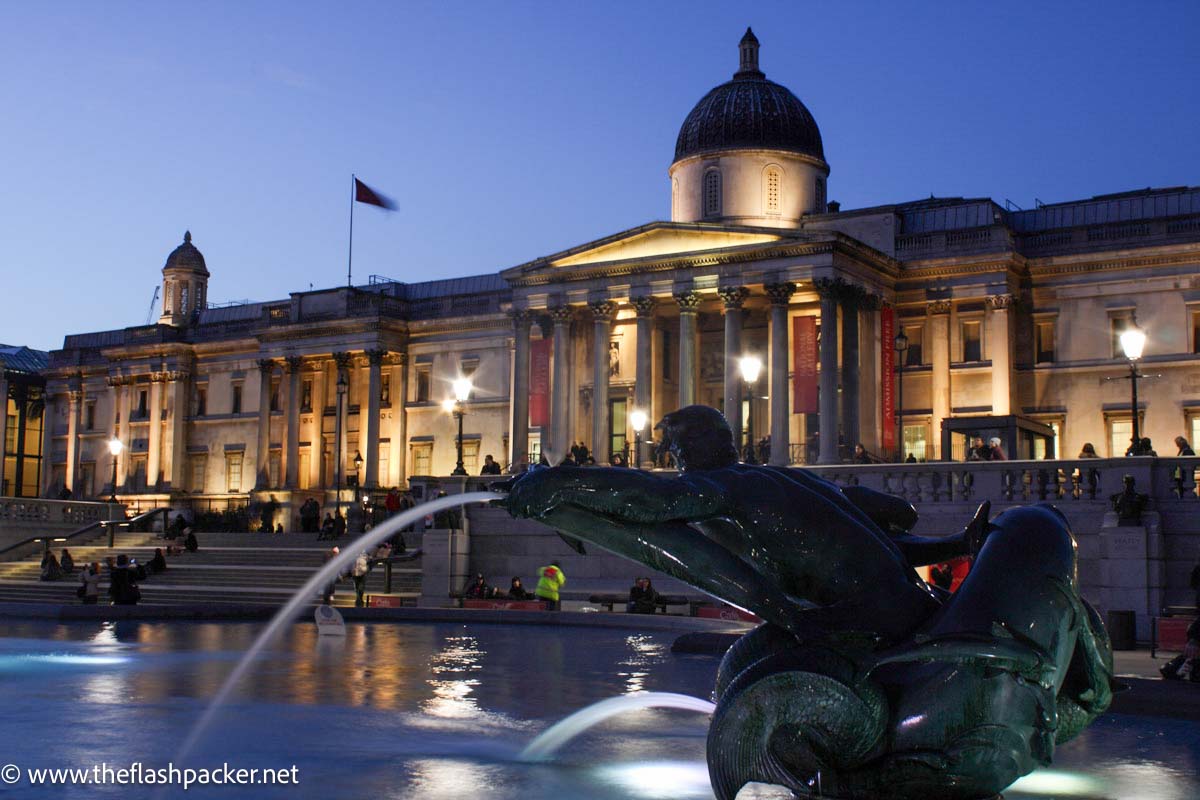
(539,383)
(887,396)
(804,365)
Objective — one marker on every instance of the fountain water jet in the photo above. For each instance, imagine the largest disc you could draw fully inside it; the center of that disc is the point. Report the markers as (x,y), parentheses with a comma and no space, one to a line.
(554,737)
(306,592)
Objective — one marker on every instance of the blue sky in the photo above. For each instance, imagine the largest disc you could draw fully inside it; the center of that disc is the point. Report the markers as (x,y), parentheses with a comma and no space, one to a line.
(506,131)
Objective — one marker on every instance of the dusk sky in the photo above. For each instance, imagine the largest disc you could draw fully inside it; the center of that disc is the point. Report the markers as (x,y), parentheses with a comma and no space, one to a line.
(507,131)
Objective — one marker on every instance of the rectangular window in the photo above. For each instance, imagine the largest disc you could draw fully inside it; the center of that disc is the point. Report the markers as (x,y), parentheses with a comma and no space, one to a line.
(306,388)
(972,341)
(233,472)
(87,480)
(385,390)
(666,355)
(10,435)
(914,356)
(1118,324)
(1120,436)
(275,467)
(89,416)
(1195,431)
(616,421)
(424,380)
(275,394)
(138,480)
(1196,331)
(385,452)
(201,401)
(422,459)
(471,456)
(236,407)
(1043,344)
(197,466)
(143,396)
(916,441)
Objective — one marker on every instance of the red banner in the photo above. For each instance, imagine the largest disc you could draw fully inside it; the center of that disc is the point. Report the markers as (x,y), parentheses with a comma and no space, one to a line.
(887,368)
(804,365)
(539,383)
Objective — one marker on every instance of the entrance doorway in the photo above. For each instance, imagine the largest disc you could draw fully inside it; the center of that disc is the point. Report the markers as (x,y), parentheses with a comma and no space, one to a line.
(617,425)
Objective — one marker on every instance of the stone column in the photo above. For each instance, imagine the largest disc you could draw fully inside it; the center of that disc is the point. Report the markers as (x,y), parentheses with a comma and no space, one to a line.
(104,464)
(999,344)
(369,426)
(518,443)
(398,447)
(263,455)
(939,339)
(851,298)
(829,290)
(154,462)
(126,435)
(74,402)
(291,453)
(317,479)
(780,295)
(175,450)
(689,303)
(559,445)
(602,317)
(869,415)
(4,426)
(345,366)
(733,297)
(643,376)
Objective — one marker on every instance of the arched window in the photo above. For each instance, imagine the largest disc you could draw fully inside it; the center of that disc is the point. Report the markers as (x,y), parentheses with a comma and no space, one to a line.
(772,179)
(712,193)
(183,299)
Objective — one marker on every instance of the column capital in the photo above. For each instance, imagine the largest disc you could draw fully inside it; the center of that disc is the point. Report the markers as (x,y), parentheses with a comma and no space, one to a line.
(999,302)
(935,307)
(780,294)
(852,295)
(159,376)
(74,396)
(643,305)
(344,360)
(397,359)
(871,302)
(733,297)
(293,364)
(266,365)
(176,375)
(375,357)
(688,302)
(521,317)
(829,288)
(561,315)
(603,310)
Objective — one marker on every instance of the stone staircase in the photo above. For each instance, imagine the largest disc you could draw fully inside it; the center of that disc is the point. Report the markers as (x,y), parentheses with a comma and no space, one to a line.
(229,568)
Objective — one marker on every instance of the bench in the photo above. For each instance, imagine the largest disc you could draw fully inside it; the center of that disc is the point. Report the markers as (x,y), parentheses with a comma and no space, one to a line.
(1169,633)
(663,600)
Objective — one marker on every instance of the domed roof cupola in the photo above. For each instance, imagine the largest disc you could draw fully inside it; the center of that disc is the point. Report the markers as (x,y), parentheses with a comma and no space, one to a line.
(748,153)
(185,284)
(749,111)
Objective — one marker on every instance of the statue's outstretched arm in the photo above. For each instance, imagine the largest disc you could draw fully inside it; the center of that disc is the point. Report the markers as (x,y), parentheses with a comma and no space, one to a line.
(921,551)
(622,493)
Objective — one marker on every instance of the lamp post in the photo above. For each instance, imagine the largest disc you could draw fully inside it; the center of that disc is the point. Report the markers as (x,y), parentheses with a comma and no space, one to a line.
(750,367)
(900,345)
(115,446)
(455,405)
(337,444)
(358,462)
(637,418)
(1133,341)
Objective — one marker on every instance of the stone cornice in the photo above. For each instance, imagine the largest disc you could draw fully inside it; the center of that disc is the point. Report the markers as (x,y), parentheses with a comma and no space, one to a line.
(1058,265)
(950,268)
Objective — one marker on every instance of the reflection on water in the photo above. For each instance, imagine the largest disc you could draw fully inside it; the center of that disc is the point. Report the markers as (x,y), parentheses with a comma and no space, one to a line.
(438,711)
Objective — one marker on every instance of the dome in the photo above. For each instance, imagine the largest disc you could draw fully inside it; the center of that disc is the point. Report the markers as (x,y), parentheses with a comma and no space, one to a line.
(186,257)
(749,112)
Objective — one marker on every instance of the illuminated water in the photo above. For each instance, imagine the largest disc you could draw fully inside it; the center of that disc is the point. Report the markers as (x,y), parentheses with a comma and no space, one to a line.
(431,711)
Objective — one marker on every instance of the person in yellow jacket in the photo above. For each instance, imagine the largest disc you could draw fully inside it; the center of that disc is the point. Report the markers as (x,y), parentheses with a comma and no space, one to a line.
(551,578)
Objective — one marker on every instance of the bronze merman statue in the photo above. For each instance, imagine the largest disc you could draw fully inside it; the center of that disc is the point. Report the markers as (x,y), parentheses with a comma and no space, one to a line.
(863,682)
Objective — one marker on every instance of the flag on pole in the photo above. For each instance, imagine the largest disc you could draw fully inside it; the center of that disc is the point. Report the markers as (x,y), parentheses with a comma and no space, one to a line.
(365,194)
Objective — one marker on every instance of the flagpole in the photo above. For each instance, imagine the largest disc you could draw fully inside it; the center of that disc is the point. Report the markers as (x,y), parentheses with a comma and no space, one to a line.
(350,258)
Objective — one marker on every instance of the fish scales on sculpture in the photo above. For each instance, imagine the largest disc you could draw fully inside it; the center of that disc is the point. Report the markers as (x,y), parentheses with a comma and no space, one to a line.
(863,679)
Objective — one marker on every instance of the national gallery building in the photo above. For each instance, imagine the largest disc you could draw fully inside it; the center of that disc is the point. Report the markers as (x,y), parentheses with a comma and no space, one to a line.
(1005,312)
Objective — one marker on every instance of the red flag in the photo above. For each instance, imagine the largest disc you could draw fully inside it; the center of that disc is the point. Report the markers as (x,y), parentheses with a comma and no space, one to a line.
(887,395)
(804,365)
(539,383)
(365,194)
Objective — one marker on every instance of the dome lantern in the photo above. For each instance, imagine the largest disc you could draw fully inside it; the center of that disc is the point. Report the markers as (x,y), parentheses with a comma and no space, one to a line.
(185,284)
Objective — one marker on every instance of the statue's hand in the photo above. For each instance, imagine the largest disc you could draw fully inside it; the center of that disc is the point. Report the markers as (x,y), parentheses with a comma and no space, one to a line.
(978,529)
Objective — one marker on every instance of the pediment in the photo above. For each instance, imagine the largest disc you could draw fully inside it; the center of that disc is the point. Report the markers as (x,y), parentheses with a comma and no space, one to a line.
(666,241)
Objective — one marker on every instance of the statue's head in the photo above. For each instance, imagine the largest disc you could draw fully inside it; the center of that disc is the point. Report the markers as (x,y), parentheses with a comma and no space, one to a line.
(698,437)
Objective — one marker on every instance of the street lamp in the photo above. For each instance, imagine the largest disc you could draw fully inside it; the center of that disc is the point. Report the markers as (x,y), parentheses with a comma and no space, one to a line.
(900,345)
(358,462)
(115,446)
(337,444)
(750,367)
(454,405)
(1133,341)
(637,418)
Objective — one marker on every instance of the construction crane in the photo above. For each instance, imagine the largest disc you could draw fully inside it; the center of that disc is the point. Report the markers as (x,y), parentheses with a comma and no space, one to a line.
(153,306)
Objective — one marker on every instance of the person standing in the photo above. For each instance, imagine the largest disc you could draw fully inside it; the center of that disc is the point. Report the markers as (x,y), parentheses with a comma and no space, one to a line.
(490,466)
(392,502)
(550,580)
(1185,449)
(996,450)
(362,566)
(91,584)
